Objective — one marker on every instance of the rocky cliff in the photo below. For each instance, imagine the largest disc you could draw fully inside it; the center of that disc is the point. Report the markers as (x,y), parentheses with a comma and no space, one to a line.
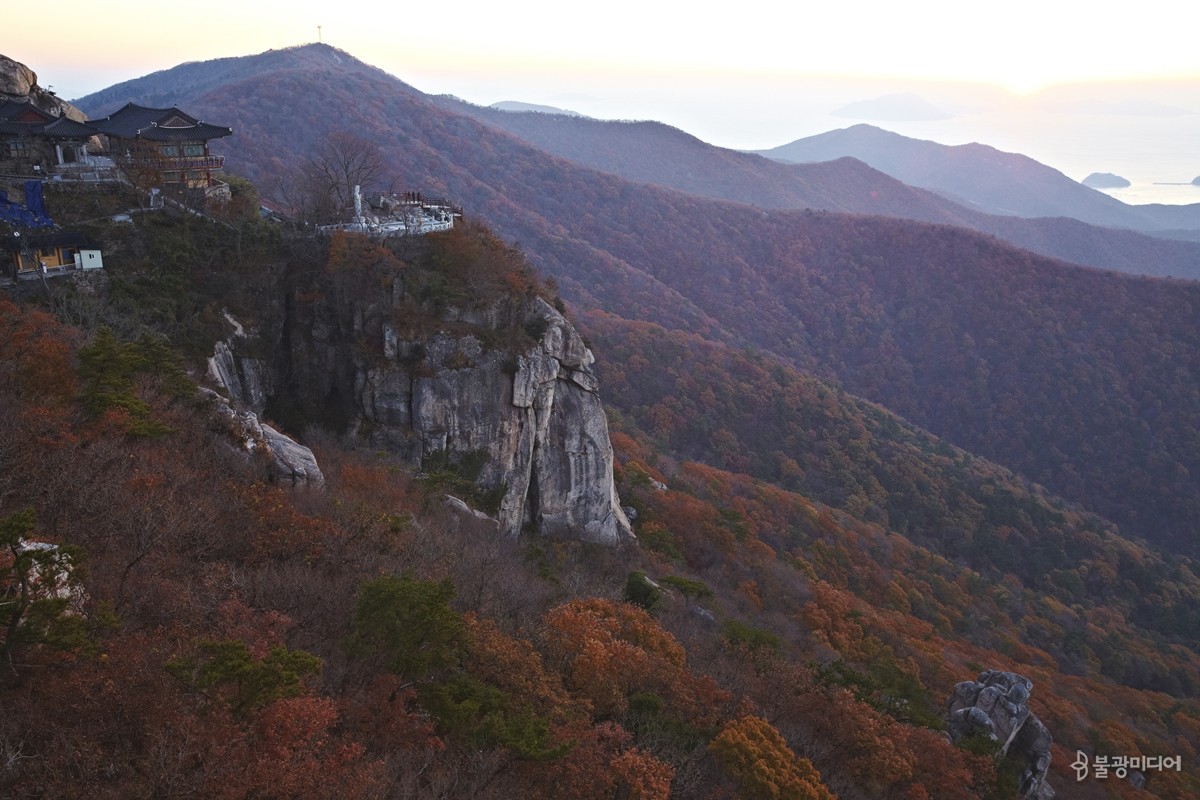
(19,82)
(536,414)
(289,463)
(502,394)
(996,705)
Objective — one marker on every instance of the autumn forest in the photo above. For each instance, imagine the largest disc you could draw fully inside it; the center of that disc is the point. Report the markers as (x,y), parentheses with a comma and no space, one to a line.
(866,458)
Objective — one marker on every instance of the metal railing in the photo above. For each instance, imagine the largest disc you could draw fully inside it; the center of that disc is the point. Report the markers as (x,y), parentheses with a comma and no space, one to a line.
(188,162)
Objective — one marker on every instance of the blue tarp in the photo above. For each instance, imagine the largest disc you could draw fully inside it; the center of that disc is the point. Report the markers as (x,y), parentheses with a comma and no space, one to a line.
(26,216)
(35,201)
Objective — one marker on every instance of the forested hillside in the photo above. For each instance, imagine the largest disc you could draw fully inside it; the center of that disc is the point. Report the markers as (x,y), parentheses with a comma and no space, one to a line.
(1006,195)
(866,459)
(226,636)
(749,415)
(1024,360)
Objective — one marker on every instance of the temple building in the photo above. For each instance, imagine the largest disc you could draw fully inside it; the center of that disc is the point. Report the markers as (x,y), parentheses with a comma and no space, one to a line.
(34,141)
(169,145)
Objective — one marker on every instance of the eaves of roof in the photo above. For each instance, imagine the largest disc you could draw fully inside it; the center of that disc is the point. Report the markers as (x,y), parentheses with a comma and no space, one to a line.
(58,128)
(193,133)
(11,109)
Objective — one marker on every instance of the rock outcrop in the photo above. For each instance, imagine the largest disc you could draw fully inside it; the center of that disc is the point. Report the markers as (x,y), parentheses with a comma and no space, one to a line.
(536,416)
(243,377)
(996,705)
(19,82)
(503,394)
(289,462)
(16,79)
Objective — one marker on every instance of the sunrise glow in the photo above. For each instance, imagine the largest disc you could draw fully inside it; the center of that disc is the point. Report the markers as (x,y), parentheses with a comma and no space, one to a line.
(1022,47)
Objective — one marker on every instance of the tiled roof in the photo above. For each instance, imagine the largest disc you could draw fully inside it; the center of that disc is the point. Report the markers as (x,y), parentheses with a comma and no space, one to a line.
(157,124)
(69,128)
(200,131)
(24,119)
(22,112)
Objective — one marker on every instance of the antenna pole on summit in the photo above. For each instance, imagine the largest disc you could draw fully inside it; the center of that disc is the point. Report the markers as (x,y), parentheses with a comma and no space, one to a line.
(318,34)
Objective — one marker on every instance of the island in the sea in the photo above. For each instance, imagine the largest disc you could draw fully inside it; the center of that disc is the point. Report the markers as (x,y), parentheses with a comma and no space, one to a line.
(1106,180)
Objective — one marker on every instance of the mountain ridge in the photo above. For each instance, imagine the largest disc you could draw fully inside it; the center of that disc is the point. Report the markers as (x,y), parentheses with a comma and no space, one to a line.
(801,285)
(806,636)
(651,152)
(995,181)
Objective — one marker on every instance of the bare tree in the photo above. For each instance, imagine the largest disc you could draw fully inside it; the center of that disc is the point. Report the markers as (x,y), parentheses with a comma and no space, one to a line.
(343,162)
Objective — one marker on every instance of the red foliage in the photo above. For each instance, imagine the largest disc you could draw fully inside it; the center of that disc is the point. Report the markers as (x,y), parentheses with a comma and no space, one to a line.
(610,651)
(602,765)
(278,530)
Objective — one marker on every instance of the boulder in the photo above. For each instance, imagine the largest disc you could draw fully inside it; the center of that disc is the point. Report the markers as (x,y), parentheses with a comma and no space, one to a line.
(996,705)
(19,82)
(16,79)
(290,462)
(459,506)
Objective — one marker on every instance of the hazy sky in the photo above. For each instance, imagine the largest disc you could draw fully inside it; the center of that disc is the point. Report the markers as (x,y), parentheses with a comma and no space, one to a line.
(737,74)
(1020,45)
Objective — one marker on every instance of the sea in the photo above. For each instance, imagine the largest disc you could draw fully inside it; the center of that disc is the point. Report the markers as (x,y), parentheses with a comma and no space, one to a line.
(1148,134)
(1158,155)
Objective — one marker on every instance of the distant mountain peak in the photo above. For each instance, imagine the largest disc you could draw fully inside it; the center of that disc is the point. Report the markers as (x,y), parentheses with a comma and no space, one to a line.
(903,107)
(520,107)
(982,177)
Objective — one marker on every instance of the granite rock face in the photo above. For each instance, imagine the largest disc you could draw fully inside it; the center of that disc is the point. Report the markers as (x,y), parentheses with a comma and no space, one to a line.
(290,463)
(245,378)
(996,705)
(19,82)
(507,389)
(536,416)
(16,79)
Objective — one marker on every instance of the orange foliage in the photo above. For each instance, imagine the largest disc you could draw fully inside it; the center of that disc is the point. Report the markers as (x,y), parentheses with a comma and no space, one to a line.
(758,758)
(260,630)
(610,651)
(384,714)
(646,777)
(829,619)
(291,751)
(369,498)
(628,448)
(355,251)
(39,349)
(749,590)
(514,666)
